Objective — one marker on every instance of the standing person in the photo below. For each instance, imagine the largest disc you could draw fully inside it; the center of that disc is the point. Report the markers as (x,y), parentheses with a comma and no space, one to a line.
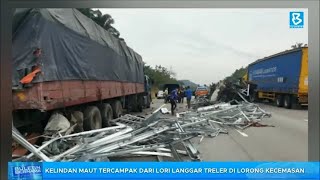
(188,94)
(173,100)
(181,95)
(166,95)
(166,91)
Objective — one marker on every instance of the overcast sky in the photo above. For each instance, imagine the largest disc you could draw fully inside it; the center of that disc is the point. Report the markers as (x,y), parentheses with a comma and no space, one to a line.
(206,45)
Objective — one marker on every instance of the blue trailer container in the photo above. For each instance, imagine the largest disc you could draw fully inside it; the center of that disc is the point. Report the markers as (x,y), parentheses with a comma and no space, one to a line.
(277,74)
(281,77)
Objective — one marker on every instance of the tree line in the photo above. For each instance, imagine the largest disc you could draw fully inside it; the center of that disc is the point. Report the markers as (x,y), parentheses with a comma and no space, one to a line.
(103,20)
(160,75)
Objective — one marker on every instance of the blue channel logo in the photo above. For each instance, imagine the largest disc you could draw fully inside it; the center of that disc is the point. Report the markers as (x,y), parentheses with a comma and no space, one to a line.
(296,19)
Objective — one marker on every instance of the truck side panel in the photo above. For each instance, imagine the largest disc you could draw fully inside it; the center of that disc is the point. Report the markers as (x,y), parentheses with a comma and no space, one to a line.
(60,94)
(73,47)
(278,74)
(303,84)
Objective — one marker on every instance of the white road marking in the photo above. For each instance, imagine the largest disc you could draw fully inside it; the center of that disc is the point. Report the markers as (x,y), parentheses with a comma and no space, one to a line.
(306,120)
(242,133)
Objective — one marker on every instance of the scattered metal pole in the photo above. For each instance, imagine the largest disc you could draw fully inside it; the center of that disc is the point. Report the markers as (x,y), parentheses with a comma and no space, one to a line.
(154,135)
(17,137)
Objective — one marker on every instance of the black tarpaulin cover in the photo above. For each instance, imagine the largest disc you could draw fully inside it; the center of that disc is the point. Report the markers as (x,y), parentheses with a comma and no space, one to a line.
(73,48)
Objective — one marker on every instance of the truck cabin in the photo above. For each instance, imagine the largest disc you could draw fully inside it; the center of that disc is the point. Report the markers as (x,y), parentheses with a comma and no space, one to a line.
(170,87)
(147,83)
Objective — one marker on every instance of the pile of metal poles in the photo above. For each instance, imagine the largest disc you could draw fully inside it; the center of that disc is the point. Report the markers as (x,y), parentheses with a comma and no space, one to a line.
(154,135)
(129,136)
(200,101)
(241,115)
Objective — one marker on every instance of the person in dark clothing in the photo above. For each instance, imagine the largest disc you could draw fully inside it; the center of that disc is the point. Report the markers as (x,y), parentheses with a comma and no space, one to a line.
(188,94)
(173,100)
(181,95)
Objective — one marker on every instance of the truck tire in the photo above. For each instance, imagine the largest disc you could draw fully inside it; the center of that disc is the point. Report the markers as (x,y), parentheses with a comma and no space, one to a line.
(279,100)
(287,102)
(92,118)
(254,98)
(117,109)
(148,101)
(135,103)
(106,114)
(140,103)
(140,108)
(77,118)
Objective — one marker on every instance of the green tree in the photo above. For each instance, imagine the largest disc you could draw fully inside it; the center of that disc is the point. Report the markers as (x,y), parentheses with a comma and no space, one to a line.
(298,45)
(103,20)
(236,75)
(160,75)
(87,12)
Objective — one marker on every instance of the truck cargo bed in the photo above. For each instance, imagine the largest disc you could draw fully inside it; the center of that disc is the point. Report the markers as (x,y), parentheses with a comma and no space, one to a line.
(59,94)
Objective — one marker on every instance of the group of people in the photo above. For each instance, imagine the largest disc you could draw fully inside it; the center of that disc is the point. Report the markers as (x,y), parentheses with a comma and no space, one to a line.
(178,95)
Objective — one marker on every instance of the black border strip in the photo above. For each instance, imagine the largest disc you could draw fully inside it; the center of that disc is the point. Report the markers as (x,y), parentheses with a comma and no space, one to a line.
(5,91)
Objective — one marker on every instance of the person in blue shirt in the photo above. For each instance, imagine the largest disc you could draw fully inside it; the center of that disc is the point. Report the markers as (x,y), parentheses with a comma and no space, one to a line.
(173,97)
(188,94)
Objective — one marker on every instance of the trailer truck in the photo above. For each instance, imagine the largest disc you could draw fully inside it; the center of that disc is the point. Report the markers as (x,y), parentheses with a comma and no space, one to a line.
(63,61)
(281,78)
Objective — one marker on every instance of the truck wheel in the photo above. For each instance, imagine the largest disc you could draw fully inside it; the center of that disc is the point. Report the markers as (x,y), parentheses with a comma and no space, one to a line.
(148,102)
(288,102)
(251,99)
(117,109)
(140,108)
(106,114)
(77,118)
(279,100)
(254,98)
(92,118)
(140,103)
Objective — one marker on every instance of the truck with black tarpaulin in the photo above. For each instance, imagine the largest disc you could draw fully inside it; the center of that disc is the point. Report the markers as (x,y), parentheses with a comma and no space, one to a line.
(63,61)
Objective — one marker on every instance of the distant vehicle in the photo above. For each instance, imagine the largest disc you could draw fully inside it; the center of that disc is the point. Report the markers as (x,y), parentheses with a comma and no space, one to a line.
(201,91)
(170,88)
(160,94)
(281,78)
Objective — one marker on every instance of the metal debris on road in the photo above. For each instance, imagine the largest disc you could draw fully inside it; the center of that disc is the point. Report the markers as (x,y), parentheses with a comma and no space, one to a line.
(200,101)
(155,135)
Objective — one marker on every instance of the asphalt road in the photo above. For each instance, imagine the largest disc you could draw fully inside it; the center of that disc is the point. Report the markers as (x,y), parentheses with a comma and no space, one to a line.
(287,141)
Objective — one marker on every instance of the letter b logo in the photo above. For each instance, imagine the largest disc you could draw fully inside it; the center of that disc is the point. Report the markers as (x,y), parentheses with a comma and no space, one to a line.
(296,19)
